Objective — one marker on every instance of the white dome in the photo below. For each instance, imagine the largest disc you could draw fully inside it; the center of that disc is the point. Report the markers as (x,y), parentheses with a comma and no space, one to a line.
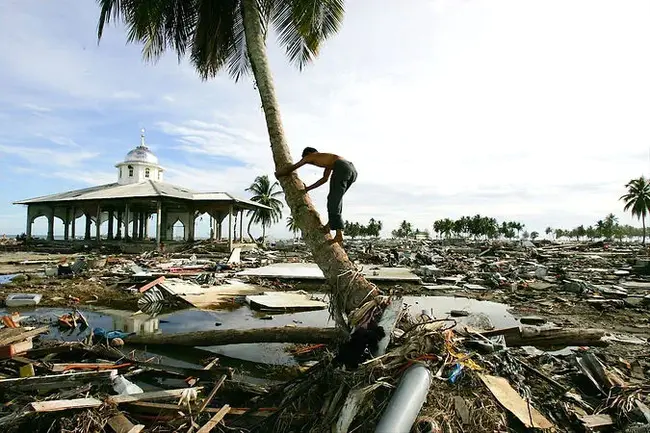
(141,154)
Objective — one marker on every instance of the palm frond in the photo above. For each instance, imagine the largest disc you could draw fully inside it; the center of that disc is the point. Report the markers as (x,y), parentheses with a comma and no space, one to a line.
(213,38)
(302,26)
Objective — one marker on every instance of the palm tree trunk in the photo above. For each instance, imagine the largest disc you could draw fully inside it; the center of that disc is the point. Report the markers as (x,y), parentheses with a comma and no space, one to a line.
(248,229)
(263,234)
(643,222)
(331,259)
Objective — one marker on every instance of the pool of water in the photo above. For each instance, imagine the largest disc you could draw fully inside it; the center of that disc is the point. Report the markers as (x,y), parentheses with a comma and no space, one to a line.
(4,279)
(241,355)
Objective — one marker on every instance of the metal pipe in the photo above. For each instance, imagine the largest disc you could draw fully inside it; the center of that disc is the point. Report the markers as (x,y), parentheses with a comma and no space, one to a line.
(405,404)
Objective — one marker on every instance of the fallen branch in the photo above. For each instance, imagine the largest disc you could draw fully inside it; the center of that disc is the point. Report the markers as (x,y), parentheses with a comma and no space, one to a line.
(239,336)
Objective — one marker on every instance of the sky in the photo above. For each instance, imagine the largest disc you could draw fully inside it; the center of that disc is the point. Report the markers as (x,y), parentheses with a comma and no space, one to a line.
(535,111)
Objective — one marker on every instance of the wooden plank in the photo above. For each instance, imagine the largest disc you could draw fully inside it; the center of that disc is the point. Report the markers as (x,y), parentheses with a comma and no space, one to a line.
(155,395)
(512,401)
(121,424)
(24,335)
(216,419)
(596,421)
(210,396)
(11,350)
(151,284)
(57,368)
(54,381)
(59,405)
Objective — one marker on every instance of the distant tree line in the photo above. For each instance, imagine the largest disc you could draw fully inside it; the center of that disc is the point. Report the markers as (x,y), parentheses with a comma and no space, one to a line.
(355,229)
(478,227)
(606,228)
(406,230)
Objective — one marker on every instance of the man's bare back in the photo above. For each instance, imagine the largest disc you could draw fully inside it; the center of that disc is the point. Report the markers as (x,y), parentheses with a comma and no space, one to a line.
(345,175)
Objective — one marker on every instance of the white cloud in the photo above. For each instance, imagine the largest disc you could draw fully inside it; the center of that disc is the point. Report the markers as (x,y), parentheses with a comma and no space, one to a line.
(47,157)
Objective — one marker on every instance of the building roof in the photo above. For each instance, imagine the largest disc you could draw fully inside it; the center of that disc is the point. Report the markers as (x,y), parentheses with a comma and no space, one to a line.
(148,188)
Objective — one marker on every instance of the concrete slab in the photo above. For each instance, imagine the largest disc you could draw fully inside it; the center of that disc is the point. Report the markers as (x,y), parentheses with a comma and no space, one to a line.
(285,301)
(212,296)
(311,271)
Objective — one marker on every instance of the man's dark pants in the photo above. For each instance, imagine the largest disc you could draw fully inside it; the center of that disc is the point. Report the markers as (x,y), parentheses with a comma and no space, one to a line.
(343,175)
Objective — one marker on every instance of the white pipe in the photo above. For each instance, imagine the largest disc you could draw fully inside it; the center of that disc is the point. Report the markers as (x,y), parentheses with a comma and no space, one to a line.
(405,404)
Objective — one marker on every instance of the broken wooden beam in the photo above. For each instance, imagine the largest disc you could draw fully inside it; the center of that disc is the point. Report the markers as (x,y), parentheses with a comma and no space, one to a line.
(13,335)
(121,424)
(259,412)
(151,284)
(283,334)
(55,381)
(144,396)
(59,405)
(556,337)
(216,419)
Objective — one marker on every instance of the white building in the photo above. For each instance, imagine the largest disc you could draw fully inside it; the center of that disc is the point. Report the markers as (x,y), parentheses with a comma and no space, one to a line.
(122,209)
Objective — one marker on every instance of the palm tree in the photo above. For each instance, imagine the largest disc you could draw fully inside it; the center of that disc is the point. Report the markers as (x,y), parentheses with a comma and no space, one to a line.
(292,226)
(231,35)
(637,199)
(265,193)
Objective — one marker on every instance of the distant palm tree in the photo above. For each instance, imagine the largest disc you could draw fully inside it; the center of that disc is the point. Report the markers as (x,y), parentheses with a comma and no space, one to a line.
(265,193)
(637,199)
(292,226)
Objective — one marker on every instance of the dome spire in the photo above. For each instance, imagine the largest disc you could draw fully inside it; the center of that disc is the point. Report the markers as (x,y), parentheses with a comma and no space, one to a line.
(142,138)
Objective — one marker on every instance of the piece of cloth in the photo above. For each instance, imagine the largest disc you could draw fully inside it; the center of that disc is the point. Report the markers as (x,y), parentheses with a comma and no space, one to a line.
(343,175)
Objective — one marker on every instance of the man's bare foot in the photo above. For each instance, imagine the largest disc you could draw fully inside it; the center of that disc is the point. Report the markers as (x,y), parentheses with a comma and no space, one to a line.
(336,240)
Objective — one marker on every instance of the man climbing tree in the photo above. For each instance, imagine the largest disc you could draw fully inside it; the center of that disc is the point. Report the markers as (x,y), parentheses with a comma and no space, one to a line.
(343,175)
(231,36)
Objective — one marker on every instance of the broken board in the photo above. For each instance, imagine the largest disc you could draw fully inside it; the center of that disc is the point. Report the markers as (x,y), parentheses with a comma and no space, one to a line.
(285,301)
(513,402)
(211,296)
(311,271)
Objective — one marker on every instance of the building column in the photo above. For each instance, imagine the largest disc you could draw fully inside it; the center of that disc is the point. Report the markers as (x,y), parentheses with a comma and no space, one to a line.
(50,225)
(230,228)
(142,224)
(66,224)
(111,216)
(28,229)
(190,229)
(146,225)
(87,233)
(126,221)
(73,223)
(158,223)
(134,230)
(241,226)
(211,228)
(118,235)
(98,224)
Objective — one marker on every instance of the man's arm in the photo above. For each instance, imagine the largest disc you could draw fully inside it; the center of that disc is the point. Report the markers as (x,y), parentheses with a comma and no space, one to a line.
(322,180)
(292,168)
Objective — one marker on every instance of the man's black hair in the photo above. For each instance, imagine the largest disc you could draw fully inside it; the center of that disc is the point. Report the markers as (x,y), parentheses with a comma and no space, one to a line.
(307,150)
